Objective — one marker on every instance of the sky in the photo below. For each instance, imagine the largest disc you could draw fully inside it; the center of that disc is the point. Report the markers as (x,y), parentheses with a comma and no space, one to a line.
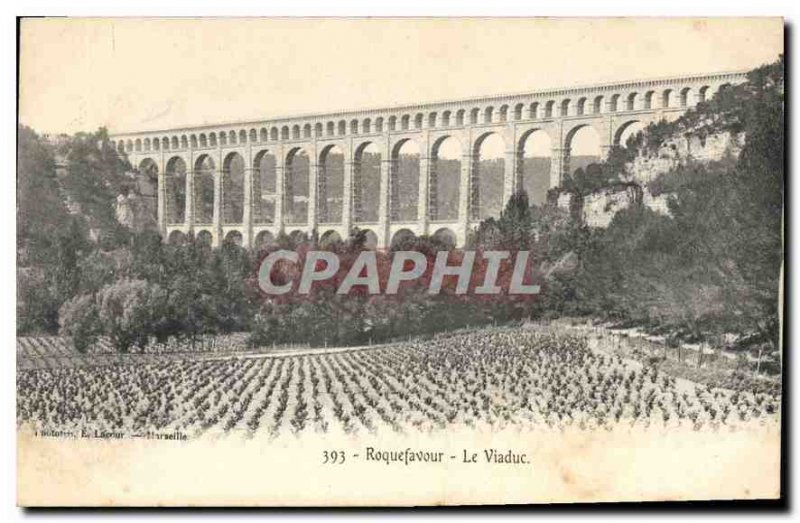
(142,74)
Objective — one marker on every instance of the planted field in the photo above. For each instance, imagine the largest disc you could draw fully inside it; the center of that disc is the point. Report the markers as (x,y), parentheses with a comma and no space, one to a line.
(494,377)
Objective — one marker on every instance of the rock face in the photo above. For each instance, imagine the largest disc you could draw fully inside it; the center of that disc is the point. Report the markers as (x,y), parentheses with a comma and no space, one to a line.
(600,207)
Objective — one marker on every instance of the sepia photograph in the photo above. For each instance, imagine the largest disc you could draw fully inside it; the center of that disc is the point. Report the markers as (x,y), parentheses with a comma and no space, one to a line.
(399,261)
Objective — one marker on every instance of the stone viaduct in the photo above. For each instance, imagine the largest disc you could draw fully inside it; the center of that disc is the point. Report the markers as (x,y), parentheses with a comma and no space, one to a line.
(244,181)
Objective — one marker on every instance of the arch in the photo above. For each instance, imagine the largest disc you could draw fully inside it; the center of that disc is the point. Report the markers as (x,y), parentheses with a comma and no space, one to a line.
(233,188)
(504,113)
(597,104)
(222,138)
(318,130)
(233,238)
(298,237)
(342,128)
(460,117)
(488,174)
(263,135)
(176,238)
(404,181)
(702,94)
(203,181)
(404,122)
(184,142)
(329,239)
(581,148)
(379,124)
(307,130)
(242,136)
(295,132)
(193,141)
(232,137)
(212,140)
(147,189)
(580,106)
(548,109)
(488,114)
(446,118)
(648,99)
(613,106)
(330,129)
(156,144)
(666,98)
(625,131)
(418,120)
(285,132)
(534,157)
(366,126)
(565,104)
(273,134)
(392,123)
(446,237)
(685,96)
(518,111)
(533,111)
(330,183)
(631,102)
(137,145)
(473,115)
(175,181)
(296,187)
(264,239)
(253,136)
(146,144)
(265,180)
(174,142)
(165,143)
(366,183)
(401,239)
(354,126)
(432,120)
(444,179)
(204,237)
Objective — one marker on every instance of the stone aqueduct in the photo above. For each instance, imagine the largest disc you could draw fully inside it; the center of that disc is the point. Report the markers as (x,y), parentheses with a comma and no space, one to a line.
(182,158)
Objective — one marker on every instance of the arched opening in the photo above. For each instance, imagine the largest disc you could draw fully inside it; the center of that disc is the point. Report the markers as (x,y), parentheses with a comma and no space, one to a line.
(223,138)
(648,100)
(175,177)
(404,181)
(147,144)
(273,134)
(565,107)
(702,94)
(253,136)
(685,96)
(263,135)
(488,173)
(174,143)
(204,189)
(203,141)
(580,106)
(582,148)
(342,128)
(233,238)
(666,98)
(366,183)
(212,140)
(379,124)
(295,132)
(366,126)
(330,182)
(534,165)
(296,185)
(165,143)
(242,136)
(444,181)
(613,105)
(597,105)
(205,238)
(446,119)
(353,126)
(460,118)
(318,130)
(298,237)
(404,122)
(392,123)
(548,109)
(533,111)
(232,137)
(265,179)
(473,116)
(518,111)
(138,145)
(446,237)
(233,189)
(418,119)
(504,113)
(176,238)
(285,132)
(402,239)
(632,102)
(264,239)
(627,131)
(147,190)
(488,114)
(432,120)
(329,239)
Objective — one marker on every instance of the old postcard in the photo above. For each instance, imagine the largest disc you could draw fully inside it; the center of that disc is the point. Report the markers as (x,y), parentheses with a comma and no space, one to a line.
(397,262)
